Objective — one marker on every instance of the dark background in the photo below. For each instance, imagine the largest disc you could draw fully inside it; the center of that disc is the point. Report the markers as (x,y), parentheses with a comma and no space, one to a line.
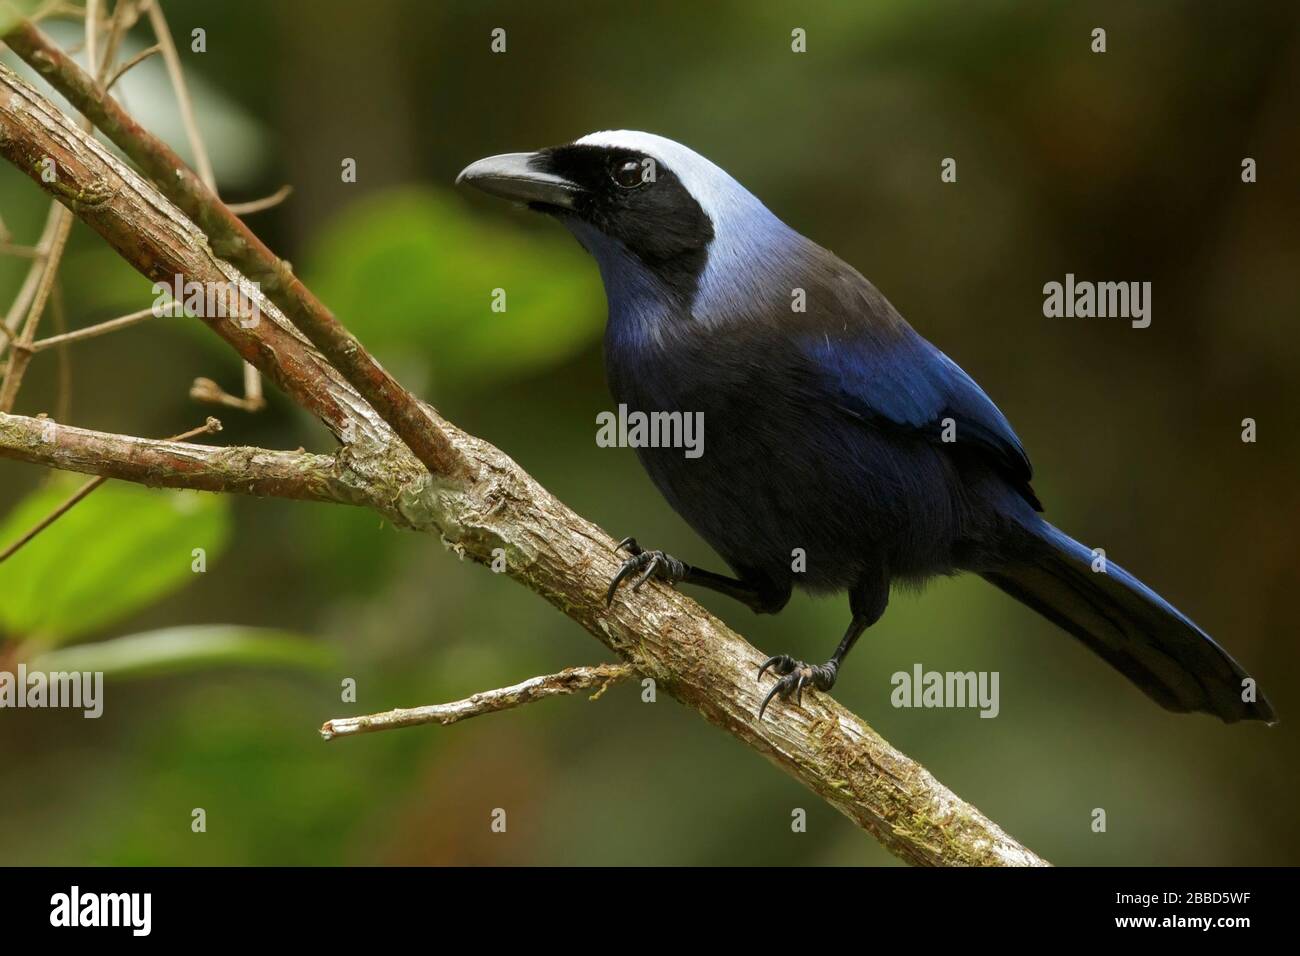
(1121,166)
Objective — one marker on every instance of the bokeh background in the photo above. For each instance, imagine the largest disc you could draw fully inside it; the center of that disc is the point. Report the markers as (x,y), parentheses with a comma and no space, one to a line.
(1115,166)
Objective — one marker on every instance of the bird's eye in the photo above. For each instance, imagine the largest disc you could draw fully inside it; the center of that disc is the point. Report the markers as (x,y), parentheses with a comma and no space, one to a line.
(627,173)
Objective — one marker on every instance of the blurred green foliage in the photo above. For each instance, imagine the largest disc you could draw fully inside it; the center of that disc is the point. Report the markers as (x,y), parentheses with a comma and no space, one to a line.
(174,650)
(12,11)
(114,553)
(408,268)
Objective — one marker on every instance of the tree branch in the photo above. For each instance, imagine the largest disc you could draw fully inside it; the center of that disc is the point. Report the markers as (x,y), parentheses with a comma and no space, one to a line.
(211,426)
(231,239)
(487,504)
(161,243)
(568,681)
(174,464)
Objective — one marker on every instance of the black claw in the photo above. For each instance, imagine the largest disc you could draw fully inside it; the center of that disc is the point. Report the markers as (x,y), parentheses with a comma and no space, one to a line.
(784,664)
(793,677)
(649,564)
(650,568)
(768,699)
(627,568)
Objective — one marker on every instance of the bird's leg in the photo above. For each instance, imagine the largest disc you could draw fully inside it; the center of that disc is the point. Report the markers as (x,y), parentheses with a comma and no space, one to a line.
(793,676)
(647,564)
(867,602)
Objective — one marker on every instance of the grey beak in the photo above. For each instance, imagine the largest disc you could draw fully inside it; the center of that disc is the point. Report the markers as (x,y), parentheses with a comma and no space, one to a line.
(511,176)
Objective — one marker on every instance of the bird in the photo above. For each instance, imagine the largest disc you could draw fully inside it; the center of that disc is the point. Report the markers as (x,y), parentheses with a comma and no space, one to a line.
(844,451)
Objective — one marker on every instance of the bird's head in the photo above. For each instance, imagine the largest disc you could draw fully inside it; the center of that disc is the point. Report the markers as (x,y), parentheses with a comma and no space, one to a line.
(659,218)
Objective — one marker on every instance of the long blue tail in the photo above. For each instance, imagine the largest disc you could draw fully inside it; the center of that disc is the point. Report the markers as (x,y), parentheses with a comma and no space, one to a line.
(1137,631)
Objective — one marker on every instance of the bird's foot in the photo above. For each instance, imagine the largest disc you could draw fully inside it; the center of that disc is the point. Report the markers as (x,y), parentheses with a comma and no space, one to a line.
(646,564)
(794,676)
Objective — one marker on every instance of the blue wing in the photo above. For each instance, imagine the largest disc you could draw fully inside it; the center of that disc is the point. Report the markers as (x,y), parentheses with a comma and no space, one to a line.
(887,374)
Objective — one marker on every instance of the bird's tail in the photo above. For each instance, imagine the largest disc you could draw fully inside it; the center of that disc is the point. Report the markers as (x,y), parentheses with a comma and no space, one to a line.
(1137,631)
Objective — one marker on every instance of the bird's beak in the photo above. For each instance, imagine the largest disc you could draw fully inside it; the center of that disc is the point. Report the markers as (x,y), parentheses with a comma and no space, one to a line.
(514,176)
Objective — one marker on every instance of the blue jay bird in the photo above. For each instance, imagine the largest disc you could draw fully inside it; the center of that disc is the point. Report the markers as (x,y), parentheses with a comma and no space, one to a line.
(836,430)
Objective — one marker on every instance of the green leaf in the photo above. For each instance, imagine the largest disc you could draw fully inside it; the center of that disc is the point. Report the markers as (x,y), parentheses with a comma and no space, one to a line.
(118,550)
(11,11)
(413,274)
(177,649)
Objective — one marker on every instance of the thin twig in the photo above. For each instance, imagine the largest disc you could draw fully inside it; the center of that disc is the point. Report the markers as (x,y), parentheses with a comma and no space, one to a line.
(253,400)
(211,425)
(206,390)
(59,9)
(257,205)
(568,681)
(21,252)
(131,63)
(34,272)
(93,331)
(63,404)
(20,353)
(177,75)
(117,27)
(92,32)
(46,262)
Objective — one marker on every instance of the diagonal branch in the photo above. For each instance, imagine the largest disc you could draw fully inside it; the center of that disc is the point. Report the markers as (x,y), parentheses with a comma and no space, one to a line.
(489,504)
(231,239)
(162,244)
